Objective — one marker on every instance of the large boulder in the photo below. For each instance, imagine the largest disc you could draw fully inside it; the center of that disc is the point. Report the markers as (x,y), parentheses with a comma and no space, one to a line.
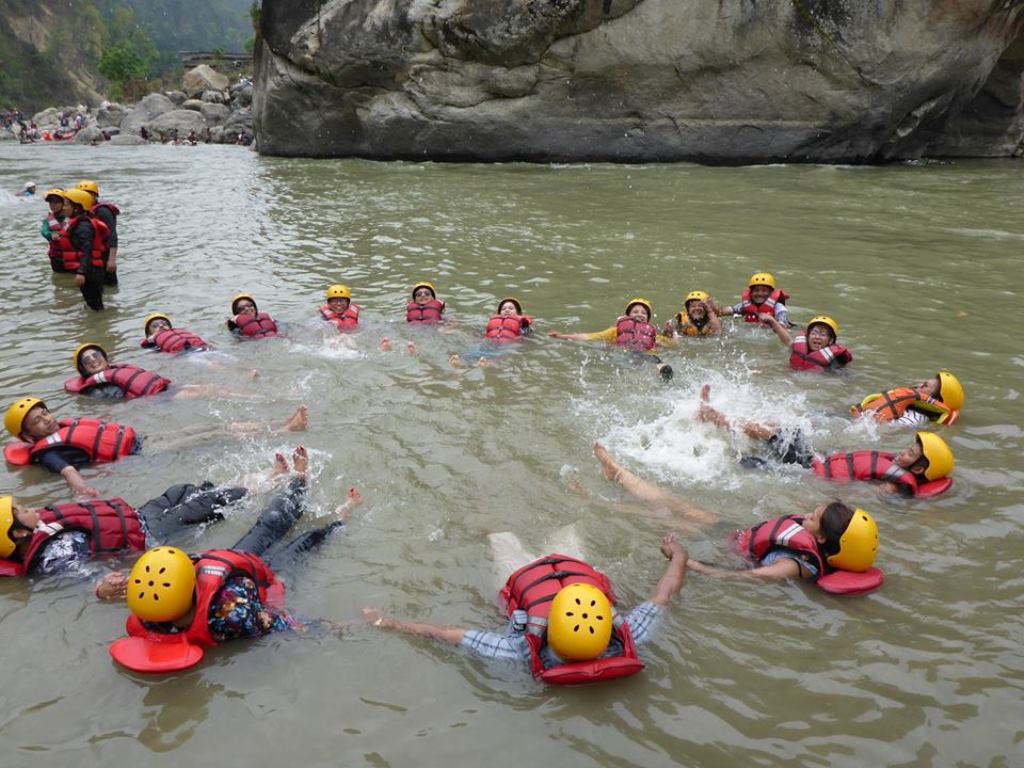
(146,111)
(193,104)
(628,80)
(203,78)
(242,120)
(111,114)
(89,134)
(180,120)
(178,97)
(214,114)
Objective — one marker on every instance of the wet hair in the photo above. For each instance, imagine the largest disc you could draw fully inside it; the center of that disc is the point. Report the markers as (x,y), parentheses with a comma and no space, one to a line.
(834,522)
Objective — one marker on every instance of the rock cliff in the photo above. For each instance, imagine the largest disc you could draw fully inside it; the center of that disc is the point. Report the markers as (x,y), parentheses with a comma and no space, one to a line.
(719,81)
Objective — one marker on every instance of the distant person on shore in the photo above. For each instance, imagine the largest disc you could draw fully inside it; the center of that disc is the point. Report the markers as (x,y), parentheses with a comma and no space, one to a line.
(28,191)
(143,133)
(247,321)
(52,229)
(86,241)
(634,332)
(761,298)
(816,350)
(936,400)
(698,317)
(107,212)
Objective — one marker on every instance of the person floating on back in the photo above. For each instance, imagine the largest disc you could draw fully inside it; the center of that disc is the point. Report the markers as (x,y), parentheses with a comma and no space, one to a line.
(247,321)
(816,350)
(936,400)
(339,310)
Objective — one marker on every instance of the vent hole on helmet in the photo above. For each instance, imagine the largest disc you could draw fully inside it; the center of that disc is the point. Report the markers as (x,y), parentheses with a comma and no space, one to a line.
(576,628)
(591,630)
(162,570)
(166,585)
(584,615)
(151,582)
(569,613)
(156,598)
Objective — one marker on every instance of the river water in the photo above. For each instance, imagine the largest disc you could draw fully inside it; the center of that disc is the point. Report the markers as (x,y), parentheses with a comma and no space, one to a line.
(919,265)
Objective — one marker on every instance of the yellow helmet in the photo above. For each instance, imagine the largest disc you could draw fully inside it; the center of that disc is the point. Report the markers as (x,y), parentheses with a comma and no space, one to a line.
(514,300)
(825,320)
(90,186)
(424,285)
(339,291)
(79,197)
(762,278)
(15,416)
(238,298)
(6,521)
(580,622)
(858,546)
(150,318)
(696,296)
(939,455)
(161,585)
(643,302)
(82,348)
(951,392)
(55,192)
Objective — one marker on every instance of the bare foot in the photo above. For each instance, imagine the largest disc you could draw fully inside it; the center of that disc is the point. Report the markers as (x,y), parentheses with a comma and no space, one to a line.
(299,421)
(483,362)
(280,466)
(609,467)
(455,361)
(385,344)
(254,374)
(355,498)
(300,460)
(410,348)
(705,393)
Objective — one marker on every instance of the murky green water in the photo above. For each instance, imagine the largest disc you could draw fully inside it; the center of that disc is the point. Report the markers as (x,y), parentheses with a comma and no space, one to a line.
(919,265)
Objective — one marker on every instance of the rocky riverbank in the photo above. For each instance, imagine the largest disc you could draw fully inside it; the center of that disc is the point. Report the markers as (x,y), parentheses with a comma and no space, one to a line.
(208,108)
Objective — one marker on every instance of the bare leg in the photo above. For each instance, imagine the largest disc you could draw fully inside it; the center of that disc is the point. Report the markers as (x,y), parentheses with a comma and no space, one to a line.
(298,422)
(411,349)
(191,391)
(355,498)
(751,428)
(648,492)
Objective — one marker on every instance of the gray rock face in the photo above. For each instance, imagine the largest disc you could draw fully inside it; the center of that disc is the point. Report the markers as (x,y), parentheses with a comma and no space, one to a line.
(180,120)
(639,80)
(178,97)
(193,104)
(88,134)
(111,115)
(214,114)
(146,111)
(204,78)
(127,140)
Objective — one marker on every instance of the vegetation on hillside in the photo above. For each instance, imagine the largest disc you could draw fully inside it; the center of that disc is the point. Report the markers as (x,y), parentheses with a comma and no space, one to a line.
(54,51)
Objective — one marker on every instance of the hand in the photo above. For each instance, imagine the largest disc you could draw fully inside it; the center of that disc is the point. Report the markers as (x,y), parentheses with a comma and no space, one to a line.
(113,586)
(79,280)
(668,330)
(709,307)
(768,320)
(373,616)
(671,548)
(87,491)
(111,265)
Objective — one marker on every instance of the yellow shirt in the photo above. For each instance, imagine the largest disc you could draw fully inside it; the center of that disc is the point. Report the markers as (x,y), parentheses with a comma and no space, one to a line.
(609,335)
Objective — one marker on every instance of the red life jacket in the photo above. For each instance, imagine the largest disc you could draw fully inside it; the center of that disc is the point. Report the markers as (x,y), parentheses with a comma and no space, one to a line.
(751,311)
(346,320)
(875,465)
(174,340)
(504,329)
(130,379)
(213,569)
(100,235)
(260,326)
(533,587)
(427,314)
(113,526)
(109,206)
(102,441)
(635,335)
(56,232)
(787,532)
(889,406)
(825,359)
(686,327)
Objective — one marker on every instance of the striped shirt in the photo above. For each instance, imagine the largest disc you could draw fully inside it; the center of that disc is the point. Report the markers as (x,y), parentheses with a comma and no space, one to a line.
(512,645)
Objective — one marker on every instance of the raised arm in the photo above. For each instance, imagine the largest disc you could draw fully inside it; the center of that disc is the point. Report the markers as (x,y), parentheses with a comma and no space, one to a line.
(780,570)
(671,582)
(779,328)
